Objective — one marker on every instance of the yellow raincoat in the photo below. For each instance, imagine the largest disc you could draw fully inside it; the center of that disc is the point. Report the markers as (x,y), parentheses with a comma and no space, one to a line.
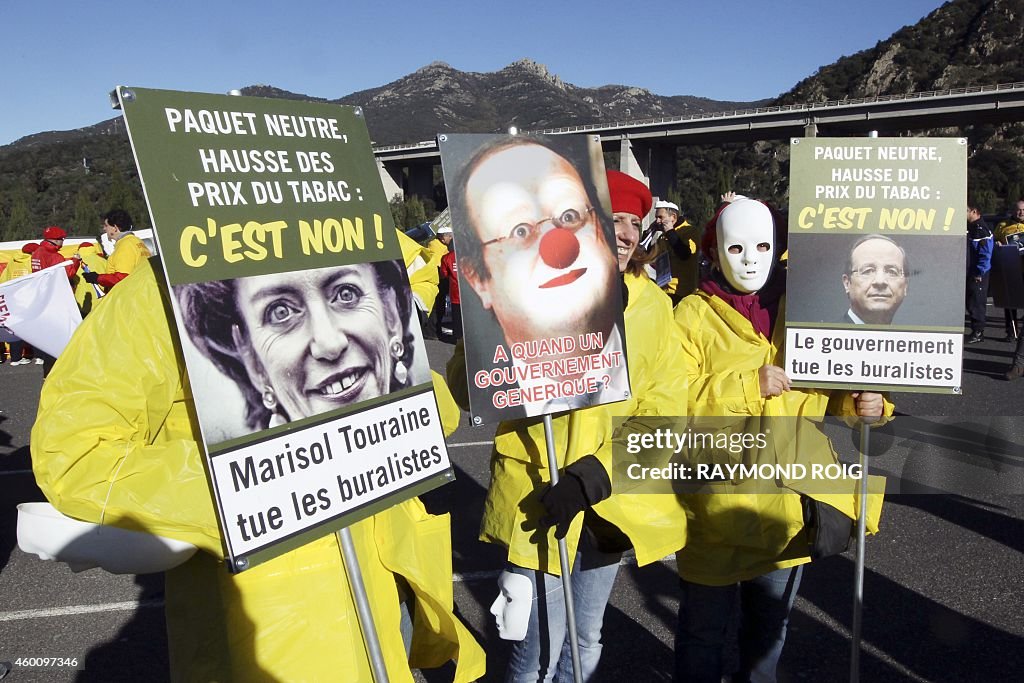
(733,533)
(122,449)
(129,254)
(655,524)
(421,264)
(92,256)
(437,247)
(85,294)
(18,265)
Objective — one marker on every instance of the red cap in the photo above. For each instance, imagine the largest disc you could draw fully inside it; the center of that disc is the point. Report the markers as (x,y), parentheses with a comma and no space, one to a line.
(628,194)
(54,233)
(87,245)
(29,248)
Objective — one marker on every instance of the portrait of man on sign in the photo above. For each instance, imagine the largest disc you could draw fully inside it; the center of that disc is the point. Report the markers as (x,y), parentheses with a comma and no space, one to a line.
(875,280)
(535,251)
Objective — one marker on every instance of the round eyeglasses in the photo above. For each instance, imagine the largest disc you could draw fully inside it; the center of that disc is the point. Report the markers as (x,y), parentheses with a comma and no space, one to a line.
(524,234)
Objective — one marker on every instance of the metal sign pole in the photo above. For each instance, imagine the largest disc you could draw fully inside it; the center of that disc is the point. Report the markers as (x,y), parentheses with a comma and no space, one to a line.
(563,557)
(355,581)
(858,590)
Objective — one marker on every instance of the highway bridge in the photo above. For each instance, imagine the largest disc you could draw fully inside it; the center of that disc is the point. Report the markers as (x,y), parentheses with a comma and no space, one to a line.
(646,147)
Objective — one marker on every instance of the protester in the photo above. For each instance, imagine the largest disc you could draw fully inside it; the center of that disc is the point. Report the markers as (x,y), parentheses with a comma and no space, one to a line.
(421,264)
(132,459)
(526,515)
(87,294)
(1011,232)
(750,544)
(680,250)
(450,275)
(48,254)
(438,247)
(979,263)
(129,251)
(20,265)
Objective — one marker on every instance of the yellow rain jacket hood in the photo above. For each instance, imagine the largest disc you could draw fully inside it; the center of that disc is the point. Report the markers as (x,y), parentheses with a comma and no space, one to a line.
(120,449)
(735,534)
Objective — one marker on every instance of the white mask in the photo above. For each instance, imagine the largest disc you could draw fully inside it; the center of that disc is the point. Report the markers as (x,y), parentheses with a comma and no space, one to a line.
(746,244)
(511,609)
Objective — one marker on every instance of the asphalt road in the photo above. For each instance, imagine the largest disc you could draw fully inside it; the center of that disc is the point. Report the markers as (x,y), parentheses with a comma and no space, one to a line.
(944,582)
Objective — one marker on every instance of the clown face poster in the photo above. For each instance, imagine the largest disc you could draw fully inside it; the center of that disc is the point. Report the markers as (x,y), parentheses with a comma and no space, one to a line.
(538,274)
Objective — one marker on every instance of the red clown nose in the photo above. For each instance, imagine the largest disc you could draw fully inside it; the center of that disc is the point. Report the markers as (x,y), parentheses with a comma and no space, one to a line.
(559,248)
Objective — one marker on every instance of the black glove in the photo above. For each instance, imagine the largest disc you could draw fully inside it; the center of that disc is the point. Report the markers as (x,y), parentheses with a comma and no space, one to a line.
(91,277)
(583,484)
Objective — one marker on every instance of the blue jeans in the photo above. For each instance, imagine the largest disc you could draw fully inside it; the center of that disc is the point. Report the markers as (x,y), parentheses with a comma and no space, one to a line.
(704,614)
(534,657)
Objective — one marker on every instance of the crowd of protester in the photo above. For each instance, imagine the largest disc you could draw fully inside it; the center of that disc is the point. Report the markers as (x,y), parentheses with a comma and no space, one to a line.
(707,342)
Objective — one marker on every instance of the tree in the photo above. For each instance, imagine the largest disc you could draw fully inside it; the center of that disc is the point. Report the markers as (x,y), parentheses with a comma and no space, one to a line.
(120,196)
(86,217)
(409,212)
(19,221)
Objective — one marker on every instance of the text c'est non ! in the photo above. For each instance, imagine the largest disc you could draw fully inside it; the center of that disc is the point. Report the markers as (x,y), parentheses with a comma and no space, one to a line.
(253,240)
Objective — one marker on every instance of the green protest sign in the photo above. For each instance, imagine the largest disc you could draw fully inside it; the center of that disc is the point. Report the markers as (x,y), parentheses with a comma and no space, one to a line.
(292,301)
(876,271)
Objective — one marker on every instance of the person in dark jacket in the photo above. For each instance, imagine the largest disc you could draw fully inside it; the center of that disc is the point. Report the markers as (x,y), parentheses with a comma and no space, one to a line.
(979,263)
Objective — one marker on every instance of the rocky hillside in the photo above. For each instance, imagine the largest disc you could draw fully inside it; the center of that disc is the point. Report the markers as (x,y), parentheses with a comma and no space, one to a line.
(964,42)
(441,99)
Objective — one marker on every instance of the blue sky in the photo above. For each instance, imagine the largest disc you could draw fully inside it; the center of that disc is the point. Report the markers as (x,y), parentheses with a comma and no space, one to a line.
(59,59)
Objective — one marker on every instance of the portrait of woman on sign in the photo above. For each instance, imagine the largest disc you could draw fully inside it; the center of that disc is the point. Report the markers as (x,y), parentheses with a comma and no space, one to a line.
(299,344)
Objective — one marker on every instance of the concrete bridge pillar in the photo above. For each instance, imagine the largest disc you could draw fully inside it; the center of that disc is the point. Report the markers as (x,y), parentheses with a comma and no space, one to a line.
(629,163)
(391,179)
(652,163)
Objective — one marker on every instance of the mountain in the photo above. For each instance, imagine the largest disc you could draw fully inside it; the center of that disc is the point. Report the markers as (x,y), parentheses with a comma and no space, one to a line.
(441,99)
(68,177)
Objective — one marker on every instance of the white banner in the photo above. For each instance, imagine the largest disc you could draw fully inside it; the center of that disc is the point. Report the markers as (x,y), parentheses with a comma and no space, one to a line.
(294,482)
(40,308)
(874,357)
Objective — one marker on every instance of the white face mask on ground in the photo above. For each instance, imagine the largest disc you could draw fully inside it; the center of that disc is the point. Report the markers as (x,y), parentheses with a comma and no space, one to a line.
(511,609)
(746,244)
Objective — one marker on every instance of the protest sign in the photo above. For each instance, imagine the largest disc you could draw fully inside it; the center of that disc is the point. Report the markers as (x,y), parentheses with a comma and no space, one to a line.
(877,266)
(40,309)
(292,301)
(538,274)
